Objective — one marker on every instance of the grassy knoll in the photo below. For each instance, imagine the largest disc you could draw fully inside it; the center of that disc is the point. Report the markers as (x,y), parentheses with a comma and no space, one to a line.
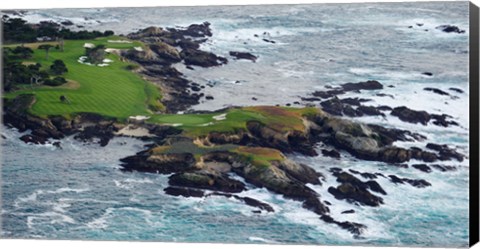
(111,91)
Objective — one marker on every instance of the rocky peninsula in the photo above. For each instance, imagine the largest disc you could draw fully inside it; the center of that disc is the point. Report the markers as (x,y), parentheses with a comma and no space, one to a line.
(252,143)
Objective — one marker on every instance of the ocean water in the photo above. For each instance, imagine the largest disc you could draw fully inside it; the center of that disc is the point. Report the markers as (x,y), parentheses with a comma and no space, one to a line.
(79,191)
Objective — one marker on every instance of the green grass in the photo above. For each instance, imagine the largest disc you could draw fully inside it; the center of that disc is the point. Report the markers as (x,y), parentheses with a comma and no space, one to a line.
(114,91)
(111,91)
(279,118)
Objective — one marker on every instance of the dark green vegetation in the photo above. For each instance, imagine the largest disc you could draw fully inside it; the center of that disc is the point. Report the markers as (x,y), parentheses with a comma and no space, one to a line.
(16,30)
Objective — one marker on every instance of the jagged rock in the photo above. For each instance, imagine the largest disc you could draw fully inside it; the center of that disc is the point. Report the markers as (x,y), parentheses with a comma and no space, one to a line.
(166,52)
(354,101)
(443,168)
(367,85)
(159,163)
(331,153)
(103,132)
(370,111)
(328,94)
(458,90)
(422,167)
(202,58)
(394,155)
(355,194)
(243,55)
(417,153)
(436,90)
(354,190)
(350,211)
(205,180)
(247,200)
(427,73)
(445,153)
(408,115)
(300,172)
(450,29)
(415,183)
(286,142)
(333,106)
(441,120)
(310,99)
(33,139)
(354,228)
(198,30)
(185,192)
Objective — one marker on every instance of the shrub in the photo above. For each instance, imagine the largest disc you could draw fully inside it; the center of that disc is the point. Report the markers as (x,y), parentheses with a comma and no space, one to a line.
(57,81)
(58,67)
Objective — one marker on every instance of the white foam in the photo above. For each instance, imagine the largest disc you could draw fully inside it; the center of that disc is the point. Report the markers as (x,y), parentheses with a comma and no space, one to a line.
(259,239)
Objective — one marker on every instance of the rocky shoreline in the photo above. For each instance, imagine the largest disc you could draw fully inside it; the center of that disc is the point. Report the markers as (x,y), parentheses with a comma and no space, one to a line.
(203,165)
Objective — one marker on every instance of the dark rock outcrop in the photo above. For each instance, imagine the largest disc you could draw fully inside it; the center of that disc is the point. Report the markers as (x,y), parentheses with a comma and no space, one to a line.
(422,167)
(202,58)
(445,153)
(436,90)
(331,153)
(206,180)
(408,115)
(243,55)
(354,190)
(415,183)
(161,163)
(450,29)
(367,85)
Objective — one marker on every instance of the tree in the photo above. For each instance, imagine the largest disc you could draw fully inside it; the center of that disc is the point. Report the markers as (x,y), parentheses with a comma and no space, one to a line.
(61,43)
(58,67)
(96,55)
(23,52)
(108,33)
(45,47)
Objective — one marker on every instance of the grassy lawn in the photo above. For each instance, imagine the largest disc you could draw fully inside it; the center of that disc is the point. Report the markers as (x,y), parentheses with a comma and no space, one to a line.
(111,91)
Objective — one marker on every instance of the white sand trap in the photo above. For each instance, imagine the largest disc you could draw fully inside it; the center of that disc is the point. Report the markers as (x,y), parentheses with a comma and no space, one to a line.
(119,41)
(139,49)
(112,50)
(206,124)
(83,59)
(134,131)
(139,118)
(174,125)
(220,117)
(89,45)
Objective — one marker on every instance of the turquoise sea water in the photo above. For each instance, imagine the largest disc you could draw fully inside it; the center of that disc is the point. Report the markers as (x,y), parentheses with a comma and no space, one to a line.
(79,191)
